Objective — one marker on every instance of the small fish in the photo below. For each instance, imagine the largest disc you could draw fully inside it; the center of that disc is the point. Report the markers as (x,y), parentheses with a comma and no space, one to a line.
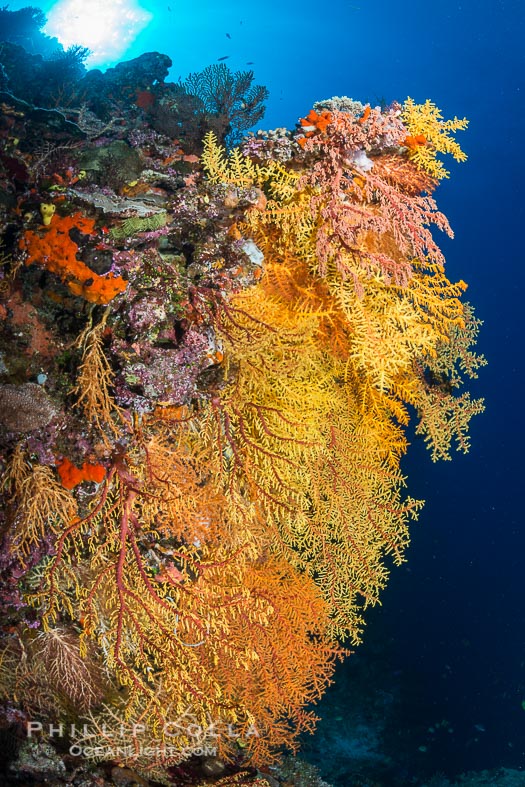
(250,62)
(223,58)
(228,35)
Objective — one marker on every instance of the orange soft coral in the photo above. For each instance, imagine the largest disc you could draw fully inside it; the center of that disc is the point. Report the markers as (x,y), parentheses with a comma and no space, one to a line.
(53,248)
(72,476)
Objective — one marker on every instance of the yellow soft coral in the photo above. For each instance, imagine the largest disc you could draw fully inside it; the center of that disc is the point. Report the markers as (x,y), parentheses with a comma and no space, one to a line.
(425,122)
(234,169)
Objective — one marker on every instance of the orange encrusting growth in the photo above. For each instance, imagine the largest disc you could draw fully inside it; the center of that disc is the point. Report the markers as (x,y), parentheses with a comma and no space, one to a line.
(413,142)
(366,114)
(71,475)
(53,248)
(314,120)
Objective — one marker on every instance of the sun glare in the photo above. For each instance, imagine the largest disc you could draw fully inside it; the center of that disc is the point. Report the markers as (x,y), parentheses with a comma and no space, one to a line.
(106,28)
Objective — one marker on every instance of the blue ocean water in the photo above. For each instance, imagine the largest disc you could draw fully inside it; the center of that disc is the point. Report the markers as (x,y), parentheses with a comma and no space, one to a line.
(449,635)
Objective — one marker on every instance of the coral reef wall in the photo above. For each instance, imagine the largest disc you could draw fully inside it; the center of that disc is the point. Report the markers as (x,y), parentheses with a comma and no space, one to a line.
(208,366)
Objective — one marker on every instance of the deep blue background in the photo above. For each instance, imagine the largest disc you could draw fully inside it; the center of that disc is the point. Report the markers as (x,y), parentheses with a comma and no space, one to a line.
(452,619)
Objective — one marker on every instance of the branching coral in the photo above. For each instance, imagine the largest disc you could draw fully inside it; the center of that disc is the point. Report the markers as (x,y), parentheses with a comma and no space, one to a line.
(41,504)
(429,134)
(94,380)
(234,169)
(48,672)
(290,428)
(230,96)
(355,278)
(217,628)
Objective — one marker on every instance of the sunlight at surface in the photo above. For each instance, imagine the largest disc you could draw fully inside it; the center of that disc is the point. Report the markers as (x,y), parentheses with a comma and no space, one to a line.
(106,28)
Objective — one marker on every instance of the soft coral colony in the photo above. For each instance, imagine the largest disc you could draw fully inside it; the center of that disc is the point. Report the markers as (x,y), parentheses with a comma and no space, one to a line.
(201,462)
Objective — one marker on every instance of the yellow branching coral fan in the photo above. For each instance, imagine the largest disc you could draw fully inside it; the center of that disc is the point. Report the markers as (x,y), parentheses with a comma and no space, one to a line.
(186,602)
(429,135)
(94,380)
(230,545)
(357,310)
(291,426)
(42,503)
(234,168)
